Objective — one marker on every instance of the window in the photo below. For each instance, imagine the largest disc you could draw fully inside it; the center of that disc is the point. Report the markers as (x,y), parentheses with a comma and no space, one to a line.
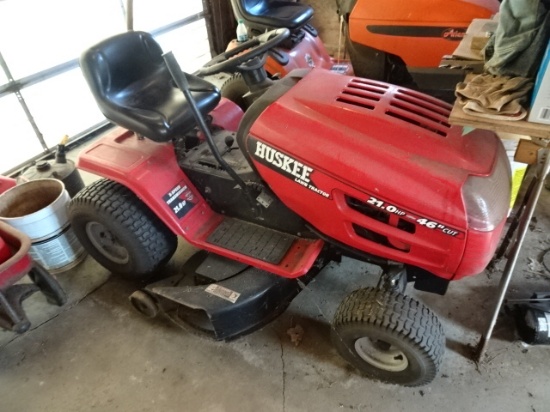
(43,95)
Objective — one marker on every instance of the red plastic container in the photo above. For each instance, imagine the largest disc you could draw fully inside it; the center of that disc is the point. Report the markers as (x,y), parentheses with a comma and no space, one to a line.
(6,183)
(4,251)
(13,266)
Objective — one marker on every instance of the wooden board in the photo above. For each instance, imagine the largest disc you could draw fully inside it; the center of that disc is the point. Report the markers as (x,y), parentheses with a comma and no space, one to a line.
(522,127)
(527,152)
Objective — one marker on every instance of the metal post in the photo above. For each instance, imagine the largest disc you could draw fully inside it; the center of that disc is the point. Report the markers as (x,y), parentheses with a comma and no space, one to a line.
(130,15)
(23,104)
(544,158)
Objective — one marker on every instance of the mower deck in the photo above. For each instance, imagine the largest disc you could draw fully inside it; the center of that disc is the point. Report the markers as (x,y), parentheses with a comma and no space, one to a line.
(223,298)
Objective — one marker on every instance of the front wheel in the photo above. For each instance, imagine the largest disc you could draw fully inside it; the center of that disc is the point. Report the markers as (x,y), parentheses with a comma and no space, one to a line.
(119,230)
(389,337)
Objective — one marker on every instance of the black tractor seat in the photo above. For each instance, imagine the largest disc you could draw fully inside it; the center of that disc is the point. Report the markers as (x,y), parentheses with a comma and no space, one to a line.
(261,15)
(134,89)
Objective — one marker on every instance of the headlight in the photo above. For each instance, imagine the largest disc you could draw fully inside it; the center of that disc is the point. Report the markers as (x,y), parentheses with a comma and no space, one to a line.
(487,198)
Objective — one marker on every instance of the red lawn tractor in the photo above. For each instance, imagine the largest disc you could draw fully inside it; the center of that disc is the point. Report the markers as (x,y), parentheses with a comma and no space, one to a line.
(302,49)
(320,166)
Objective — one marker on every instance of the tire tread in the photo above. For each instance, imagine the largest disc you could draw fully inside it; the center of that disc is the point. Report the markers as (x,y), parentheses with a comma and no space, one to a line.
(399,314)
(124,207)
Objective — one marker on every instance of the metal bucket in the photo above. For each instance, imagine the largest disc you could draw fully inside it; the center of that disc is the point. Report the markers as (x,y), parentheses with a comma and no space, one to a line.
(39,209)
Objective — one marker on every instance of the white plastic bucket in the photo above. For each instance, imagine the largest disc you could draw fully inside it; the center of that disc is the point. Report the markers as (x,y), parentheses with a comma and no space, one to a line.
(39,209)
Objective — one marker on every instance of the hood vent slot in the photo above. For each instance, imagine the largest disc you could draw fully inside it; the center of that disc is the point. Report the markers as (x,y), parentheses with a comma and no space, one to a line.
(363,93)
(406,105)
(420,110)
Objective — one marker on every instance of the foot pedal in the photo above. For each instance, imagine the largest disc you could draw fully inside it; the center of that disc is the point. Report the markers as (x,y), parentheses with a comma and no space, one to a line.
(252,240)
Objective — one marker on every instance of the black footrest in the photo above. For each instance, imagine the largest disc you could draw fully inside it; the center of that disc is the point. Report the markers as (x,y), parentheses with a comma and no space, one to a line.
(252,240)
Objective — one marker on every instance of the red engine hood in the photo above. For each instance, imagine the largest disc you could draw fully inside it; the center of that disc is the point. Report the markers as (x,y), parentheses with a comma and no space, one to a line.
(380,139)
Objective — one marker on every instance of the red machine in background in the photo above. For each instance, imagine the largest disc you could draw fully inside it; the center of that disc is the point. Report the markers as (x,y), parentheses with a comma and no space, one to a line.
(320,166)
(418,32)
(303,48)
(397,42)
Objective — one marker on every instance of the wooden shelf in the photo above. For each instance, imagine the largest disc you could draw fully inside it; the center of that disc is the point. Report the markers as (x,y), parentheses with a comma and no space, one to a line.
(521,127)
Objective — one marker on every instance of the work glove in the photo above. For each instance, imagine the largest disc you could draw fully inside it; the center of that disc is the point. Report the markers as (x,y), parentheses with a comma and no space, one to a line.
(492,96)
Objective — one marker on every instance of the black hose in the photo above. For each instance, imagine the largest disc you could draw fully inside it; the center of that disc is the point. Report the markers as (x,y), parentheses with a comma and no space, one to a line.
(183,84)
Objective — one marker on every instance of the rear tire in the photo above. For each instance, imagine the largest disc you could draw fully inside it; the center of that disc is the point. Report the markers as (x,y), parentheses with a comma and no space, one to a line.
(389,337)
(120,231)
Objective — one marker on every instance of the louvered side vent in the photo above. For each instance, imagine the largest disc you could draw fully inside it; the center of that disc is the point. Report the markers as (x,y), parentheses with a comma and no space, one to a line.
(420,110)
(363,93)
(382,216)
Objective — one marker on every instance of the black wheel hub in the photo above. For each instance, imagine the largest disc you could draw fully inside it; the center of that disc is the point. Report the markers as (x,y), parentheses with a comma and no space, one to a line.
(107,243)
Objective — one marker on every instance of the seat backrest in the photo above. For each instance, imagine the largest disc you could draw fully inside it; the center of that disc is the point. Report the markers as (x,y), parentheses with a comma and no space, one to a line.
(134,89)
(261,15)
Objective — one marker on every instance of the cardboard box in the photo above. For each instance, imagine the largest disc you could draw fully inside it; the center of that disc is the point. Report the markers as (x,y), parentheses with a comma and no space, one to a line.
(478,32)
(540,102)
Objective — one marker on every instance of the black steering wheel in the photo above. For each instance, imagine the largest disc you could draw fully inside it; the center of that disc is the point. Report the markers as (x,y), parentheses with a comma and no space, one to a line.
(233,58)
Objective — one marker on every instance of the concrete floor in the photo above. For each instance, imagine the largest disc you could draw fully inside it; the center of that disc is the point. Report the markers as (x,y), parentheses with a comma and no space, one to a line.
(97,353)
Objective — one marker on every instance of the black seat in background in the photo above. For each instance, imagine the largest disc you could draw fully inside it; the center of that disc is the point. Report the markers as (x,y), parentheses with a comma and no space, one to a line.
(261,15)
(134,89)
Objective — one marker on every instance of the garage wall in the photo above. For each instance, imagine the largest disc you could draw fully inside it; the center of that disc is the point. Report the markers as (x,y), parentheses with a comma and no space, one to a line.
(325,19)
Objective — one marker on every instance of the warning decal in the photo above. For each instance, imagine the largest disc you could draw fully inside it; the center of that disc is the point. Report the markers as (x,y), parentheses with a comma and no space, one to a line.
(180,200)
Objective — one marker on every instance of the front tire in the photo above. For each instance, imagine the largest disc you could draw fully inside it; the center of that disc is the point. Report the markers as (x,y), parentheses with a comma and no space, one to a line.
(120,231)
(389,337)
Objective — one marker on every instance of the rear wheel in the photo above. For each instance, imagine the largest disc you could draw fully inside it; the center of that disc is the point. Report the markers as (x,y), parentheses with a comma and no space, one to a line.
(389,337)
(119,230)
